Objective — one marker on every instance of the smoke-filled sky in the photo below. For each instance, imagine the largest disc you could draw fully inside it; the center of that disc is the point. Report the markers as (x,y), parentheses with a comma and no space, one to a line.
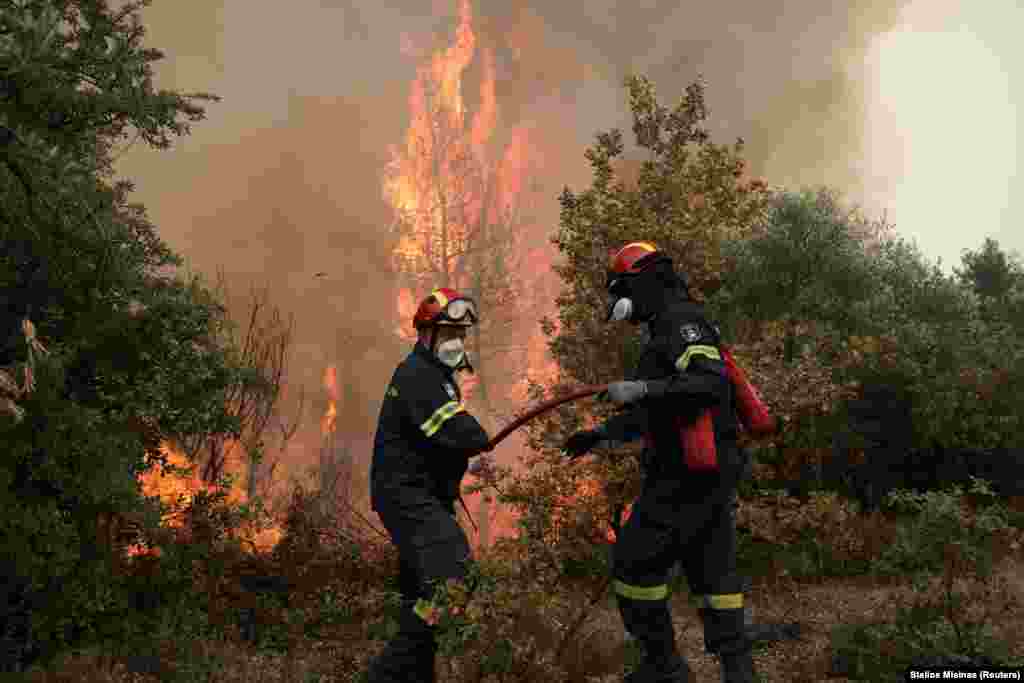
(910,106)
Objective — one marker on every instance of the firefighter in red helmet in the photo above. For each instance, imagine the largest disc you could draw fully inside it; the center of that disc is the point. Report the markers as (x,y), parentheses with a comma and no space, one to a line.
(422,448)
(680,399)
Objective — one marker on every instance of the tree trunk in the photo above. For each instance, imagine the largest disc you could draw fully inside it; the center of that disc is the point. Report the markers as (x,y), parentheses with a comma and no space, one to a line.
(252,478)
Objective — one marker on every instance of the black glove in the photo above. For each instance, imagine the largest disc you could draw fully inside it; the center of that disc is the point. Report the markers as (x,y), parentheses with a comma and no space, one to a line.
(580,443)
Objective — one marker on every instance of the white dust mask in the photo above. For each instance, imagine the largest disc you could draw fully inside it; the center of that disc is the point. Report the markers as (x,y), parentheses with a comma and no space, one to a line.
(451,352)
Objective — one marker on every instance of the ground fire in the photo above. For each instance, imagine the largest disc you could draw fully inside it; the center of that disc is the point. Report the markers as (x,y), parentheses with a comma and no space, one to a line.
(177,491)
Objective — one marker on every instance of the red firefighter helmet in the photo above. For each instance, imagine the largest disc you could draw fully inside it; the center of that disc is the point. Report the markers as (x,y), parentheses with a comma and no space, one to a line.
(445,306)
(632,259)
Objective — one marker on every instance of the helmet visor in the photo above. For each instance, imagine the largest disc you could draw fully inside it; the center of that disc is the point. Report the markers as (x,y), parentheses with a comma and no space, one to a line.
(460,311)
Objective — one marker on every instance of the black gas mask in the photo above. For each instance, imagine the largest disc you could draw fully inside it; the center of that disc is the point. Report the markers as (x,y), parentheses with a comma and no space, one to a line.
(636,298)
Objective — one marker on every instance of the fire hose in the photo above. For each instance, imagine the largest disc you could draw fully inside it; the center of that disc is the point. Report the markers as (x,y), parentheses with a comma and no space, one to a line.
(541,408)
(751,410)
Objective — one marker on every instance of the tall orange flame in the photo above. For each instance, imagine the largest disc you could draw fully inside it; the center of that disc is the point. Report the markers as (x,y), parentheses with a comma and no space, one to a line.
(428,174)
(428,171)
(327,422)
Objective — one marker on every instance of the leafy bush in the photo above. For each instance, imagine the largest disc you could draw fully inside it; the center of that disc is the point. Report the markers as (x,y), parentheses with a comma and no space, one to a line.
(946,542)
(962,394)
(881,652)
(936,520)
(823,536)
(501,622)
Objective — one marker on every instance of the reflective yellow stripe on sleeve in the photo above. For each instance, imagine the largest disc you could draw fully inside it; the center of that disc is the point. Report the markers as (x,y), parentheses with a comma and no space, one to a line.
(696,350)
(448,410)
(641,592)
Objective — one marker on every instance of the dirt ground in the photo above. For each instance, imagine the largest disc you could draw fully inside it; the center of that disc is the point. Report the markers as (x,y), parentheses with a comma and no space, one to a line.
(818,609)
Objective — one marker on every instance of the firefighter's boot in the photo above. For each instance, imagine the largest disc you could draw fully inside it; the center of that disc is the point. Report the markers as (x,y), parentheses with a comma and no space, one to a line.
(650,622)
(674,670)
(409,657)
(725,635)
(738,668)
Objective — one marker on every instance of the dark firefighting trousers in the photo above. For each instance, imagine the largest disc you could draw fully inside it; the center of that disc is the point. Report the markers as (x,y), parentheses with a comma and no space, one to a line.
(687,519)
(431,549)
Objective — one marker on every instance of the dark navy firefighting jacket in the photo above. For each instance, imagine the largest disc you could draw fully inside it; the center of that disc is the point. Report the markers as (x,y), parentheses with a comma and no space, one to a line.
(424,437)
(685,376)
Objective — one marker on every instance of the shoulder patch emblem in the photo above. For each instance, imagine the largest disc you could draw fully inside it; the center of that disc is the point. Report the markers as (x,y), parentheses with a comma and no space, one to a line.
(451,391)
(691,332)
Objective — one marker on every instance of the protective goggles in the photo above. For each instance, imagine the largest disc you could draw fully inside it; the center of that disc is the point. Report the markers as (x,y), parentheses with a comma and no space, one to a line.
(459,311)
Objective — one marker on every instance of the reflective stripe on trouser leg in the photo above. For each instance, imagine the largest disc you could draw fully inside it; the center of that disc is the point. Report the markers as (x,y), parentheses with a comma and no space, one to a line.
(725,635)
(646,616)
(432,549)
(723,601)
(659,592)
(724,624)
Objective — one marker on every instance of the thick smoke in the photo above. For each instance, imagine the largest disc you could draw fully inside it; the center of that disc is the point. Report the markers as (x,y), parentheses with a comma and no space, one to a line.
(283,180)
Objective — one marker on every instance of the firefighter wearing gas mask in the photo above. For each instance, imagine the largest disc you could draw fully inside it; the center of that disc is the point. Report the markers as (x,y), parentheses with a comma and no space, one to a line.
(424,441)
(680,399)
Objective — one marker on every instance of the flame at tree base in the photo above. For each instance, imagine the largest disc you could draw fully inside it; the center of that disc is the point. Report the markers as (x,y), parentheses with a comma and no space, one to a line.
(178,491)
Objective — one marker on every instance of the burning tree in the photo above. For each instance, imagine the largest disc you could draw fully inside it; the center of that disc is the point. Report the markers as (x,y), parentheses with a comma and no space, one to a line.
(462,216)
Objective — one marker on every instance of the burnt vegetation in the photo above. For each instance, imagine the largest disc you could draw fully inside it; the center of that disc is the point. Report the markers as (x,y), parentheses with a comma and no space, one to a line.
(894,480)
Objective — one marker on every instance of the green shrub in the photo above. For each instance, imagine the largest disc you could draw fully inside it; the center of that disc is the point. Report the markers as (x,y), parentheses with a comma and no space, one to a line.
(883,651)
(946,547)
(934,520)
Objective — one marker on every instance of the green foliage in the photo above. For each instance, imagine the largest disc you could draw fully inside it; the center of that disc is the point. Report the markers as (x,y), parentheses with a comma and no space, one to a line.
(996,279)
(77,77)
(937,520)
(939,535)
(960,372)
(136,354)
(884,651)
(803,539)
(386,626)
(808,263)
(501,622)
(688,198)
(332,608)
(809,557)
(879,314)
(990,272)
